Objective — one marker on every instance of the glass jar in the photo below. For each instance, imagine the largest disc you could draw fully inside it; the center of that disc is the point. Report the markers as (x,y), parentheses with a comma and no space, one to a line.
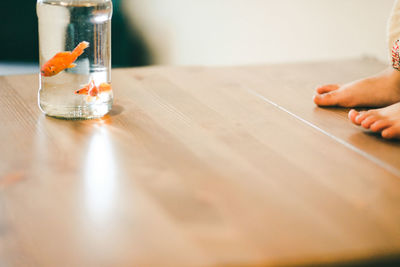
(75,58)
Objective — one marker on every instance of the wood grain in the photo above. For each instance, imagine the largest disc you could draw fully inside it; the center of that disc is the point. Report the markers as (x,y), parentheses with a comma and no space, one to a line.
(197,166)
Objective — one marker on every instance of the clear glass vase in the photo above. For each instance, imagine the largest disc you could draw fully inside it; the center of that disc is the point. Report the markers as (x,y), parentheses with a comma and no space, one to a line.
(75,58)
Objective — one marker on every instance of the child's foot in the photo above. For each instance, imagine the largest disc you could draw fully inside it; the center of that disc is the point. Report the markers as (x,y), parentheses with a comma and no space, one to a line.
(376,91)
(385,120)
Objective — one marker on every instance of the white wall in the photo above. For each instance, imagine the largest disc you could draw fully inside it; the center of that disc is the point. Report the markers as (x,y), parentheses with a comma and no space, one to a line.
(224,32)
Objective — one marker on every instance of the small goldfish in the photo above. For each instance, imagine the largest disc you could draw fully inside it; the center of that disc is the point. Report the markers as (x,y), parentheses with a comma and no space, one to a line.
(85,90)
(91,90)
(63,60)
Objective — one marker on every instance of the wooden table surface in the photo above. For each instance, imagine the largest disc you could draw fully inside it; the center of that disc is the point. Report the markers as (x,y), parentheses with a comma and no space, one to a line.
(198,166)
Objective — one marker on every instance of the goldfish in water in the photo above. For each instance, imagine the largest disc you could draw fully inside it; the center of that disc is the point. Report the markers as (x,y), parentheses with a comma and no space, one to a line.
(85,90)
(63,60)
(91,90)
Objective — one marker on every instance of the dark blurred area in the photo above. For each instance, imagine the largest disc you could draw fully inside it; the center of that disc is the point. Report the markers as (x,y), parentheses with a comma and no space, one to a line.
(19,36)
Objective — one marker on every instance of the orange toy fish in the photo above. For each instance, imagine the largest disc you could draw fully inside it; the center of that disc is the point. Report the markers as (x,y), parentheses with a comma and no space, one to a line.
(92,90)
(63,60)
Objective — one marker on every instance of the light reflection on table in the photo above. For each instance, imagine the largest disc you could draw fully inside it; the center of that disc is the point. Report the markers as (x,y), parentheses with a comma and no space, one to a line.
(100,176)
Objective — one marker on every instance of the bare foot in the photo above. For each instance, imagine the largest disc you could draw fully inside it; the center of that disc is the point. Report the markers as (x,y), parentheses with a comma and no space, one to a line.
(380,90)
(384,120)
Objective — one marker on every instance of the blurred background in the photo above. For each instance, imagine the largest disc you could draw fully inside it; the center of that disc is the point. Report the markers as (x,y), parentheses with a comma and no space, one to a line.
(210,32)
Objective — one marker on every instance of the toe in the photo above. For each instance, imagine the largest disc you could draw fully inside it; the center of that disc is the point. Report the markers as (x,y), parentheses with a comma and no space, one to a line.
(391,132)
(327,99)
(362,115)
(369,121)
(380,125)
(352,115)
(388,133)
(327,88)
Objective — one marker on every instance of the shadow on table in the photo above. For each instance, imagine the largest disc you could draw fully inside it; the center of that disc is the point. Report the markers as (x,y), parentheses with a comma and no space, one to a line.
(116,110)
(379,136)
(359,137)
(391,261)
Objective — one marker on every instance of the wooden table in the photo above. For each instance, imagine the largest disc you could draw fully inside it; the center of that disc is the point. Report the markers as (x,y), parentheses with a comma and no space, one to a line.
(196,166)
